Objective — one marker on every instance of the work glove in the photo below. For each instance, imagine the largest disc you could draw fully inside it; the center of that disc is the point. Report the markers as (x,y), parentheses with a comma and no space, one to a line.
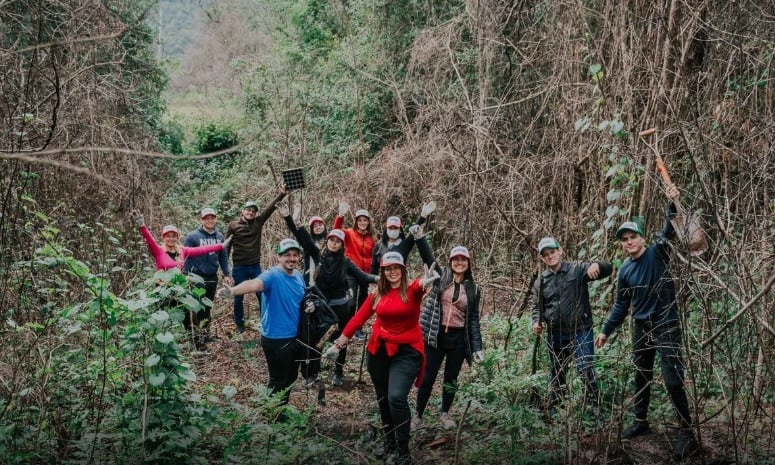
(429,277)
(137,218)
(309,307)
(227,242)
(332,352)
(349,294)
(296,212)
(282,207)
(428,208)
(344,207)
(224,293)
(416,230)
(479,356)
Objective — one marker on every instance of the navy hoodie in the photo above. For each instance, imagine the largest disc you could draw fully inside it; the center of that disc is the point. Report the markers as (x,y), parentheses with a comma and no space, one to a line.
(206,265)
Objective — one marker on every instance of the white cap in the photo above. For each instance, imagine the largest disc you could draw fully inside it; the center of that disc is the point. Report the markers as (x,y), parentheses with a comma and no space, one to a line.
(391,258)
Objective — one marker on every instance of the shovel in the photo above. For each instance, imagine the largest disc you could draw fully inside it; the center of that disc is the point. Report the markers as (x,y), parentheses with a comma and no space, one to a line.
(686,223)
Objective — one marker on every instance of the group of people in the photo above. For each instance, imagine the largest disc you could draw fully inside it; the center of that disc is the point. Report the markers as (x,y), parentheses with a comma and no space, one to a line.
(433,319)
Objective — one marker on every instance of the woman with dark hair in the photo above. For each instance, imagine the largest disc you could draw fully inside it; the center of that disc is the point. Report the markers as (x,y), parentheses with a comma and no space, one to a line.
(331,271)
(395,349)
(450,326)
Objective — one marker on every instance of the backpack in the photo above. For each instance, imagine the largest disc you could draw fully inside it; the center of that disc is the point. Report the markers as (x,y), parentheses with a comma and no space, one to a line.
(316,327)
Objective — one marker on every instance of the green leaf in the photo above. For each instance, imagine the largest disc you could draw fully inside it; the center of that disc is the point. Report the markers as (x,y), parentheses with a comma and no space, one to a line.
(611,211)
(613,195)
(229,392)
(153,360)
(157,379)
(165,338)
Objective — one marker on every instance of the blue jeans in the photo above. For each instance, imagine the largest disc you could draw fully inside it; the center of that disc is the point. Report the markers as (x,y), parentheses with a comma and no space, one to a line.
(242,273)
(580,347)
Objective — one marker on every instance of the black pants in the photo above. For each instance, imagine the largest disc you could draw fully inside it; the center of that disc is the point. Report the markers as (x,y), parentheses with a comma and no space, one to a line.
(451,345)
(647,340)
(344,313)
(210,286)
(282,361)
(360,292)
(393,378)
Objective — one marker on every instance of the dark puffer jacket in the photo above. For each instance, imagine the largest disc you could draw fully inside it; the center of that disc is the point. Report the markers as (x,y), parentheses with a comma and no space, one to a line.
(431,314)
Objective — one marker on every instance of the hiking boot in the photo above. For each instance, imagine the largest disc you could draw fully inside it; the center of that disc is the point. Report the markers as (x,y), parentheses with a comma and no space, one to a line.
(416,422)
(404,458)
(446,421)
(639,428)
(686,445)
(388,447)
(338,380)
(240,328)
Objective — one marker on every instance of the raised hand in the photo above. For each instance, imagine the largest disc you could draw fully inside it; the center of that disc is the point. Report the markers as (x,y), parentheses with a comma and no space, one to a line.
(428,208)
(137,218)
(430,276)
(282,207)
(344,207)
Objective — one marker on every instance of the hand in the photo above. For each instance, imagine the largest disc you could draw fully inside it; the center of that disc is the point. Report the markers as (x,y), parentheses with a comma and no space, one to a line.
(228,280)
(332,352)
(137,218)
(537,328)
(224,293)
(227,242)
(282,207)
(344,207)
(416,230)
(309,307)
(479,356)
(429,277)
(593,271)
(349,294)
(296,212)
(600,340)
(428,208)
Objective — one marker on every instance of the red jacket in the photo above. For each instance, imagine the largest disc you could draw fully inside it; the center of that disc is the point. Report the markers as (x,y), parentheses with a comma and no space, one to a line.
(358,246)
(397,322)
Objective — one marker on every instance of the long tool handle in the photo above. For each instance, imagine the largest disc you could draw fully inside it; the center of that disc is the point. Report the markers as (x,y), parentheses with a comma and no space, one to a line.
(662,170)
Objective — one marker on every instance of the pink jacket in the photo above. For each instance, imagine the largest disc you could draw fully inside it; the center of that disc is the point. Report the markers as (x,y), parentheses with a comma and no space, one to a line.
(164,261)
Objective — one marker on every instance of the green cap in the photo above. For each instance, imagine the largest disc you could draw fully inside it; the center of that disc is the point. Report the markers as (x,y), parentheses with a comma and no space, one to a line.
(628,226)
(286,245)
(547,243)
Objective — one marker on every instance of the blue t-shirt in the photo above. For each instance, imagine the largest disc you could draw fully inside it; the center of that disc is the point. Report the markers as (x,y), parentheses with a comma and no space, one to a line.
(283,294)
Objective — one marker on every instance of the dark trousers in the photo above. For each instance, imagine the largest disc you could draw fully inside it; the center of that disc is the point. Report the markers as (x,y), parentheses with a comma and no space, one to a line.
(579,347)
(242,273)
(360,292)
(210,285)
(393,378)
(451,344)
(647,340)
(344,313)
(281,359)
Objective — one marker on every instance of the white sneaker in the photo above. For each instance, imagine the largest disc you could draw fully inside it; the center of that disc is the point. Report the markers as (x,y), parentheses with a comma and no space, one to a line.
(416,422)
(446,421)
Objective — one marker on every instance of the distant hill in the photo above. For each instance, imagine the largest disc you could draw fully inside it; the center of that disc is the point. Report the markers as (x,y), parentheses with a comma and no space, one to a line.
(180,21)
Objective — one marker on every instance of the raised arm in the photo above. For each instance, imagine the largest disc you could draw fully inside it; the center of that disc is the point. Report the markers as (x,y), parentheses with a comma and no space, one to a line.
(267,212)
(358,274)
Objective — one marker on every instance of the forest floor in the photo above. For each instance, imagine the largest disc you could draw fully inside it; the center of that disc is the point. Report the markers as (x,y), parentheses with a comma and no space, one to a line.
(350,418)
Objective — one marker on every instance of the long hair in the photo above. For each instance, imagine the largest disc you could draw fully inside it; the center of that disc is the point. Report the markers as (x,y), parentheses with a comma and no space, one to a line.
(383,287)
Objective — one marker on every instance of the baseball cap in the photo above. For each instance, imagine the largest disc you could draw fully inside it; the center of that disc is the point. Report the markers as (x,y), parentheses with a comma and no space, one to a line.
(337,233)
(315,219)
(459,251)
(251,204)
(362,212)
(169,228)
(391,258)
(628,226)
(207,212)
(393,222)
(547,243)
(286,245)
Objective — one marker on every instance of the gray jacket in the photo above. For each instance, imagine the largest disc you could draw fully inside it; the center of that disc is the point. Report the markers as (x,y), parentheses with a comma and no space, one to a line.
(430,316)
(566,306)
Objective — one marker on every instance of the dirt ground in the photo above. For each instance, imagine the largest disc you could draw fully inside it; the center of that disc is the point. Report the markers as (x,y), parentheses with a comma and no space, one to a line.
(350,412)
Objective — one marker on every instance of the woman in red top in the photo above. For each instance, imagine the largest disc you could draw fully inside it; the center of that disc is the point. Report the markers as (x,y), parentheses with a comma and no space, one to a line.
(396,356)
(359,244)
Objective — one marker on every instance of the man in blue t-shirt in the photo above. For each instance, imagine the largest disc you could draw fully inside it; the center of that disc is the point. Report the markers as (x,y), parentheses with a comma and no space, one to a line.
(645,284)
(283,290)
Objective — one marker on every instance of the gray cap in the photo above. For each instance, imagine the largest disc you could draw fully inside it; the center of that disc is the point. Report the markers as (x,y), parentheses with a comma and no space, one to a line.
(251,204)
(286,245)
(547,243)
(628,226)
(207,212)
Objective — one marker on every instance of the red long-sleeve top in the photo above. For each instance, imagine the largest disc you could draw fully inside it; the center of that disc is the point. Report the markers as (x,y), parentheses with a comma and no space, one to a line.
(358,245)
(164,261)
(397,322)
